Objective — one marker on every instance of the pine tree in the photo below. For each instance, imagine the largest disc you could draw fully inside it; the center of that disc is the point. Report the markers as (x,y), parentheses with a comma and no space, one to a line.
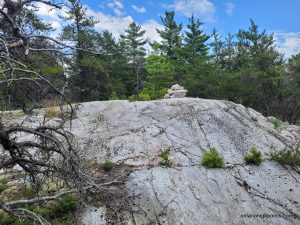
(290,99)
(216,45)
(227,54)
(160,71)
(80,32)
(135,50)
(260,68)
(172,39)
(195,47)
(80,28)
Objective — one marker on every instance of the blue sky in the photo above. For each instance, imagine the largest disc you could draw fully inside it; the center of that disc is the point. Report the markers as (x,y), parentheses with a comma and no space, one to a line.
(276,16)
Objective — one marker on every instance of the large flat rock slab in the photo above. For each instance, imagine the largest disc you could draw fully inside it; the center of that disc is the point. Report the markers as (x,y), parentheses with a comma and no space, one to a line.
(188,193)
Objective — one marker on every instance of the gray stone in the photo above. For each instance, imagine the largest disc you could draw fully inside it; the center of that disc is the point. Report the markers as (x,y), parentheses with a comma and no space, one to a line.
(176,91)
(188,193)
(15,183)
(93,215)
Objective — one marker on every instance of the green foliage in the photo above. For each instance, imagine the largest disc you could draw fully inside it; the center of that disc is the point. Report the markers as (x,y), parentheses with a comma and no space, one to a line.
(276,123)
(163,92)
(134,45)
(139,97)
(134,42)
(66,205)
(144,97)
(66,222)
(3,187)
(165,158)
(150,94)
(160,72)
(254,157)
(195,47)
(57,212)
(244,67)
(171,37)
(291,90)
(6,219)
(212,159)
(287,157)
(113,96)
(107,165)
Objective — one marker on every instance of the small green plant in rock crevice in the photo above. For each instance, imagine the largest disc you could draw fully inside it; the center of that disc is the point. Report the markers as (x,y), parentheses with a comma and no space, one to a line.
(287,157)
(276,123)
(165,158)
(212,159)
(254,157)
(107,165)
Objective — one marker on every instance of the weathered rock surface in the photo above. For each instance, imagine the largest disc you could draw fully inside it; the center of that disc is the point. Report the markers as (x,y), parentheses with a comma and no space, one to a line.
(176,91)
(188,193)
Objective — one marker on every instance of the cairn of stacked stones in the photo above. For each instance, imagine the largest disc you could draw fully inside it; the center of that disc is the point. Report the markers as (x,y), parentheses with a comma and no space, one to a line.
(176,91)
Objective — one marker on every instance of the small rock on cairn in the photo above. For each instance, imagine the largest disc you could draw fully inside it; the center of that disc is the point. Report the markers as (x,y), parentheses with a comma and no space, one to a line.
(176,91)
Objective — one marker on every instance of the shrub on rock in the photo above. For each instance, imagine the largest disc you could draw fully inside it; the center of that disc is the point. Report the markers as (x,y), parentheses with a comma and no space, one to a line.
(287,157)
(212,159)
(107,165)
(165,158)
(254,157)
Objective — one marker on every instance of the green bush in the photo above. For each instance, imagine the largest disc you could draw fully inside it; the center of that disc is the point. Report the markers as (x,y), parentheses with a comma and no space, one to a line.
(3,187)
(163,92)
(140,97)
(107,165)
(66,205)
(287,157)
(57,213)
(254,157)
(212,159)
(165,158)
(144,97)
(276,123)
(113,96)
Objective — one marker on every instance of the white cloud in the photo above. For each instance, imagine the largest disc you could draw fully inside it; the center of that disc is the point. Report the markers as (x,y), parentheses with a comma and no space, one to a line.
(114,24)
(229,7)
(150,27)
(287,42)
(117,7)
(200,8)
(117,25)
(139,9)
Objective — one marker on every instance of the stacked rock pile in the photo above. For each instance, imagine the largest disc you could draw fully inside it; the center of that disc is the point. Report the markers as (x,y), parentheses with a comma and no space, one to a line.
(176,91)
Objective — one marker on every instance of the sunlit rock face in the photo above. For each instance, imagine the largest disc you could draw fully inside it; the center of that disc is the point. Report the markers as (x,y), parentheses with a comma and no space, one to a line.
(134,134)
(188,193)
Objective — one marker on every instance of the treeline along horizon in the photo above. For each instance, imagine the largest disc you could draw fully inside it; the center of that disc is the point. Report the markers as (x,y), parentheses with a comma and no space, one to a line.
(245,67)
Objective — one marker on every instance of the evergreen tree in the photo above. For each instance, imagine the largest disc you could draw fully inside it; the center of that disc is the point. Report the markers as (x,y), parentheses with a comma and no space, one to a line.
(160,71)
(290,96)
(21,93)
(195,47)
(80,32)
(216,45)
(135,51)
(227,54)
(171,37)
(260,68)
